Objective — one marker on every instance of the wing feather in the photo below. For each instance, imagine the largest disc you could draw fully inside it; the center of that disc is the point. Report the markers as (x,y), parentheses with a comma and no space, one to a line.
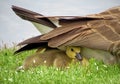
(62,30)
(63,38)
(31,16)
(90,39)
(35,39)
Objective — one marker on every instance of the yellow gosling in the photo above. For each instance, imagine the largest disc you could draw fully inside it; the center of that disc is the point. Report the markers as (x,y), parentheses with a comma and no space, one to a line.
(52,57)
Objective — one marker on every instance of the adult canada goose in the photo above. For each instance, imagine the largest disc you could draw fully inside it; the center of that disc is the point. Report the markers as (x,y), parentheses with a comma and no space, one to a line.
(51,57)
(99,31)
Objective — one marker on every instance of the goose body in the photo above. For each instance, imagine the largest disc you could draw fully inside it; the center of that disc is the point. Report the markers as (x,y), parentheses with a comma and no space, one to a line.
(95,32)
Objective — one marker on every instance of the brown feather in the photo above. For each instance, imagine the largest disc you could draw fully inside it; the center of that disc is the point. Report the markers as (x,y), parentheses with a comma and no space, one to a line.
(31,16)
(63,38)
(32,43)
(35,39)
(90,39)
(62,30)
(32,46)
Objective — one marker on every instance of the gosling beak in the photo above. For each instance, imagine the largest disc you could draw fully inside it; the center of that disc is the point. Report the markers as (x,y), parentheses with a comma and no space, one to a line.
(78,56)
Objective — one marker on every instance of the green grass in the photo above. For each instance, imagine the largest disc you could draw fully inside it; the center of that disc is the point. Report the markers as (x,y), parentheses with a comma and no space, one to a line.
(95,73)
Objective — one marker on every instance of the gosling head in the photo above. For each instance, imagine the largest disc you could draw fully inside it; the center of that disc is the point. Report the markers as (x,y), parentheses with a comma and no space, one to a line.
(73,52)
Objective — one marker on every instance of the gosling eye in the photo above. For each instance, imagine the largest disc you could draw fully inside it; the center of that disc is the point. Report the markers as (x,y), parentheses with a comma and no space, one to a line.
(72,49)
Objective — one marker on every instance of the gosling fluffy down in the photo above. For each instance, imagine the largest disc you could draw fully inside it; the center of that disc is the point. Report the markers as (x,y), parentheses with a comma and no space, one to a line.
(52,57)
